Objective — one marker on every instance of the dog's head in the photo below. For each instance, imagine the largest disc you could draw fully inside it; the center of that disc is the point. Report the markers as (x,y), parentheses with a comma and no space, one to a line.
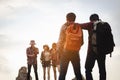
(23,70)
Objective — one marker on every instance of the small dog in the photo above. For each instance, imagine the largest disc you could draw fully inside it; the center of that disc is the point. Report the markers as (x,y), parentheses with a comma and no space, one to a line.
(22,74)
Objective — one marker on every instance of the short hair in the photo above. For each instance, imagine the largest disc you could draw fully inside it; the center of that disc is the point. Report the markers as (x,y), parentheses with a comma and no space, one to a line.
(94,17)
(71,16)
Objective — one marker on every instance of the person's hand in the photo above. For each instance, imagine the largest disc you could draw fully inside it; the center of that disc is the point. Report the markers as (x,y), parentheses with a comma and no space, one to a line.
(58,66)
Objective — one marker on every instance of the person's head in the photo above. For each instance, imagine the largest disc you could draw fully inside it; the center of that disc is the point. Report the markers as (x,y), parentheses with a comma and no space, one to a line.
(32,42)
(45,47)
(94,17)
(54,45)
(70,17)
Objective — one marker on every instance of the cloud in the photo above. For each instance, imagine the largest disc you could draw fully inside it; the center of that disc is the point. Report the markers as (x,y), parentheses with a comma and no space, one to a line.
(7,42)
(22,20)
(4,68)
(3,40)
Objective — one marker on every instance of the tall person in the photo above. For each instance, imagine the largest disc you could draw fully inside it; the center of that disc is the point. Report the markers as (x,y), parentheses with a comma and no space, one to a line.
(100,43)
(68,46)
(31,53)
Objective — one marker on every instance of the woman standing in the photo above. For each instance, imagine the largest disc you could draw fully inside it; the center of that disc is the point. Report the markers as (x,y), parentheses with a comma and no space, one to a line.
(54,59)
(46,60)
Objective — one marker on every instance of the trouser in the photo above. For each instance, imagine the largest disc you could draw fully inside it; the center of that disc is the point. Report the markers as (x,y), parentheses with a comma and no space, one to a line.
(29,71)
(66,57)
(90,62)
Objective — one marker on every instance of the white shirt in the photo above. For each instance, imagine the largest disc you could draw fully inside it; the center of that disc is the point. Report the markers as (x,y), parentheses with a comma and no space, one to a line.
(47,55)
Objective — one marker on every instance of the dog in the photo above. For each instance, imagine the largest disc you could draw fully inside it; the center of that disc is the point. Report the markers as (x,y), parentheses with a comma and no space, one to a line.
(22,74)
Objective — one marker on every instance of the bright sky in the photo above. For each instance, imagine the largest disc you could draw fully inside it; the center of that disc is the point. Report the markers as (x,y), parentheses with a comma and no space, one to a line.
(41,20)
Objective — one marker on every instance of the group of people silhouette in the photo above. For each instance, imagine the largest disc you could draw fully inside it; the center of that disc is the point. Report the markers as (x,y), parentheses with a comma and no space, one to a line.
(100,43)
(48,58)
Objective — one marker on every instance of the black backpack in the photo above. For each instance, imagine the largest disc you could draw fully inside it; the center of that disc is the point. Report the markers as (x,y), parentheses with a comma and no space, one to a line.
(104,38)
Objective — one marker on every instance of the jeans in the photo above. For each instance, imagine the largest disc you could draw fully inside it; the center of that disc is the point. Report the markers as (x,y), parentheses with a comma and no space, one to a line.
(35,71)
(90,62)
(66,57)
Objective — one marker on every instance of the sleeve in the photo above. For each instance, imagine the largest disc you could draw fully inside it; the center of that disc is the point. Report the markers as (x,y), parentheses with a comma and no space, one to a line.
(41,57)
(86,26)
(61,40)
(37,50)
(27,52)
(51,53)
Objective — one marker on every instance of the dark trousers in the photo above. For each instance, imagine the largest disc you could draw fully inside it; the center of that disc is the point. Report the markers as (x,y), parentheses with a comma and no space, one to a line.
(90,62)
(29,71)
(66,57)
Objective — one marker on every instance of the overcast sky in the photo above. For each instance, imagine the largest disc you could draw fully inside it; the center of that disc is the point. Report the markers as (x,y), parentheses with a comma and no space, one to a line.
(41,20)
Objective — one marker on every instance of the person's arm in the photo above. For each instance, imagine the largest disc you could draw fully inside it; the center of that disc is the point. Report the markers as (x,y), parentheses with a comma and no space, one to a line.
(42,57)
(61,40)
(86,26)
(31,55)
(28,52)
(36,52)
(60,43)
(51,53)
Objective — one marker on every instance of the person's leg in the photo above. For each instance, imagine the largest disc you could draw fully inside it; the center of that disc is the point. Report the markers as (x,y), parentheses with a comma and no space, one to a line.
(90,62)
(55,75)
(75,60)
(48,73)
(102,67)
(64,61)
(35,71)
(29,70)
(44,73)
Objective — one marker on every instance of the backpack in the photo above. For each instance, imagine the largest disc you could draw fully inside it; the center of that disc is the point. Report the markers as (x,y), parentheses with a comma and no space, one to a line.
(104,38)
(74,37)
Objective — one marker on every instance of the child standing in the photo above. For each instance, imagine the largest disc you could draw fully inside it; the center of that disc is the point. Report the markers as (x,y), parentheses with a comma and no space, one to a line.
(46,61)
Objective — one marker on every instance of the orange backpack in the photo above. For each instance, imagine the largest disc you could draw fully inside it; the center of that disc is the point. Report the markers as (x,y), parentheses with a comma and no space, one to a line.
(74,37)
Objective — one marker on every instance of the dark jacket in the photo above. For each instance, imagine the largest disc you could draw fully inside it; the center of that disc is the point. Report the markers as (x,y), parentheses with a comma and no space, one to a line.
(104,36)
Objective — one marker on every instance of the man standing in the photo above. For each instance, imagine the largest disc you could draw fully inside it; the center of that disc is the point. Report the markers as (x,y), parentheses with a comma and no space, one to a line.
(100,40)
(66,51)
(31,53)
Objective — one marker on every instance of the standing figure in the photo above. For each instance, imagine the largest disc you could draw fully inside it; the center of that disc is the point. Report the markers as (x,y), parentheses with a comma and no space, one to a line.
(100,43)
(54,59)
(68,46)
(46,61)
(31,53)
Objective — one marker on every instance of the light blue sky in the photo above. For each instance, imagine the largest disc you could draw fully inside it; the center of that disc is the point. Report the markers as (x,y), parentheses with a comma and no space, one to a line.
(41,20)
